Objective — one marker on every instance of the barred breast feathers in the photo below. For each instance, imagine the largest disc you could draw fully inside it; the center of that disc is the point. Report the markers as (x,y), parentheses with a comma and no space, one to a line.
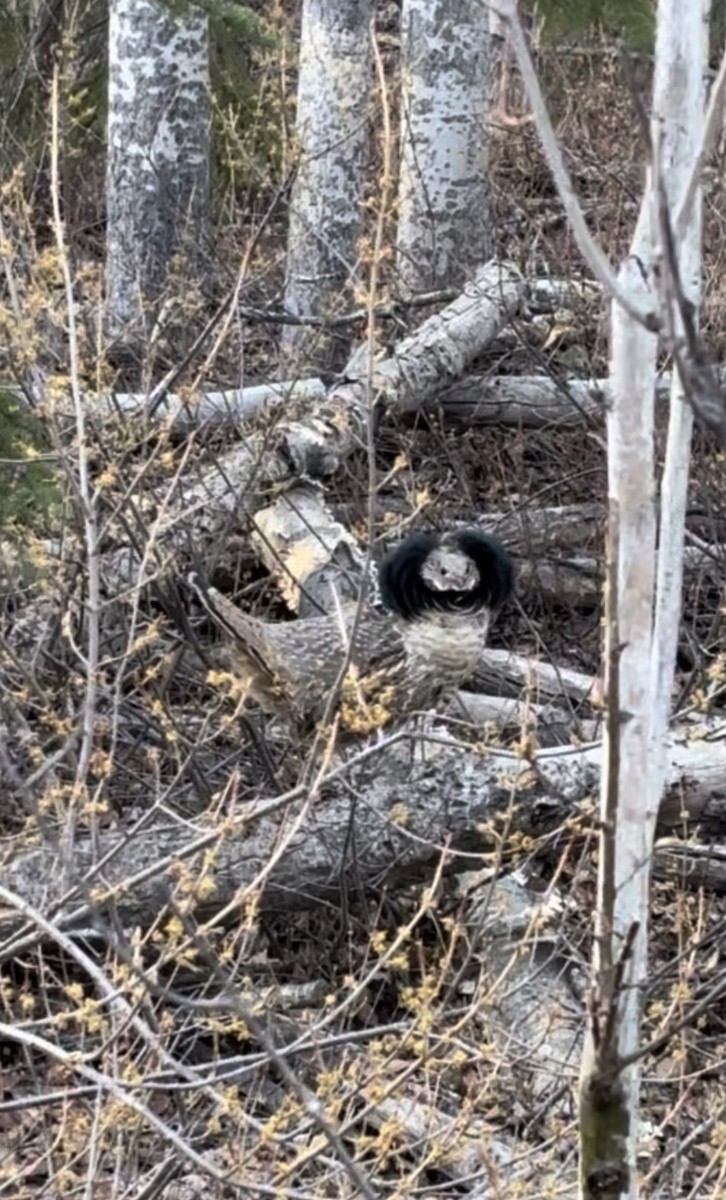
(462,571)
(439,592)
(443,589)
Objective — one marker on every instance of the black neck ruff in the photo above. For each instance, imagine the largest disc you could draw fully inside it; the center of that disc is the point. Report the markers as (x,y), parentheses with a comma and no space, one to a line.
(405,593)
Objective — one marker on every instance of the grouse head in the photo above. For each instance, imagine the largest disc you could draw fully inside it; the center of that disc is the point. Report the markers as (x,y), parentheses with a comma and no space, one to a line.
(462,571)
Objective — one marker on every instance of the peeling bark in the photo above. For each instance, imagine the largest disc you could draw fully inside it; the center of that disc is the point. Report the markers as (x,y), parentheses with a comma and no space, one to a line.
(326,202)
(443,199)
(643,599)
(526,401)
(405,810)
(214,411)
(158,154)
(317,443)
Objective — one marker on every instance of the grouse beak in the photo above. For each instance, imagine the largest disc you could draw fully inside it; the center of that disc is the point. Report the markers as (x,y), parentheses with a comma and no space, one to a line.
(461,581)
(455,577)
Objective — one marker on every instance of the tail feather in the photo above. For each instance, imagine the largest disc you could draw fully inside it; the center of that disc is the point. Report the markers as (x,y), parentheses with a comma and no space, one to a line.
(241,628)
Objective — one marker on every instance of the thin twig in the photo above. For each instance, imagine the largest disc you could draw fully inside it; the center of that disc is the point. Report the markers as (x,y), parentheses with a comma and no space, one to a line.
(711,128)
(73,1062)
(90,659)
(588,247)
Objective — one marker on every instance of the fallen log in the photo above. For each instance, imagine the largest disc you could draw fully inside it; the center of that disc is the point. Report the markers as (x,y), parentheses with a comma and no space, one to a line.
(213,410)
(182,413)
(297,537)
(506,674)
(310,442)
(552,725)
(396,811)
(577,579)
(691,865)
(531,401)
(313,445)
(548,529)
(534,1021)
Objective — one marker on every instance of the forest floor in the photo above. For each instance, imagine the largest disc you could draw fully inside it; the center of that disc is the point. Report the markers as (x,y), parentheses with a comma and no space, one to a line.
(443,474)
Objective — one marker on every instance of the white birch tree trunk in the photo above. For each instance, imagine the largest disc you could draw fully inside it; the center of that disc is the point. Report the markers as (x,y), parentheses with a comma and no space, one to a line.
(326,202)
(158,153)
(679,106)
(608,1098)
(443,197)
(642,627)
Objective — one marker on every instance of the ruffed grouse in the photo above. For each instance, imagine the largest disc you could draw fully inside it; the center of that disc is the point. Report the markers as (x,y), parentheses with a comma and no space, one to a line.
(438,593)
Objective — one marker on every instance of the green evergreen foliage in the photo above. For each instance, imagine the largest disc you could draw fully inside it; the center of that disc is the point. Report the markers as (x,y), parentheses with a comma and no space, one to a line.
(245,146)
(633,20)
(23,96)
(31,45)
(30,493)
(227,17)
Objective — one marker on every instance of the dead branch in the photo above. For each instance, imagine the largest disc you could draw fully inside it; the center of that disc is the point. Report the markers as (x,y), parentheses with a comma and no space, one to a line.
(554,726)
(394,810)
(532,401)
(690,864)
(542,529)
(506,674)
(213,410)
(314,443)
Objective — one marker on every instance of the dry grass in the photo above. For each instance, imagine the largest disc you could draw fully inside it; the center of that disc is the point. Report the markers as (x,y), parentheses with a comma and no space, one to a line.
(408,1007)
